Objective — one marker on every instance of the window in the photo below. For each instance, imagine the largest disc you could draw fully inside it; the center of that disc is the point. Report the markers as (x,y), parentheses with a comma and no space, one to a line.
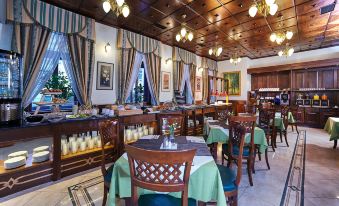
(140,92)
(59,80)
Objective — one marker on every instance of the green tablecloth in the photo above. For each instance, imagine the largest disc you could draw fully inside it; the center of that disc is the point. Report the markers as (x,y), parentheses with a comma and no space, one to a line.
(279,123)
(204,185)
(217,134)
(332,127)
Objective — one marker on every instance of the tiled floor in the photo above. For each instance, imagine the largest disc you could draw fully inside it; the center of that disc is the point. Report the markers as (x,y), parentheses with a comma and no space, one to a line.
(321,179)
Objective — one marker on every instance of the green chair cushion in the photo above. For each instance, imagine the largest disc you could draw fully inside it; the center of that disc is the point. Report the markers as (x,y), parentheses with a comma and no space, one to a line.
(162,200)
(228,178)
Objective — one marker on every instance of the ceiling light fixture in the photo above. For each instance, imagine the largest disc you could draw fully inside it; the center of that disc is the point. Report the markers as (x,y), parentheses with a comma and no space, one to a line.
(263,7)
(184,35)
(235,59)
(216,51)
(287,51)
(279,37)
(117,6)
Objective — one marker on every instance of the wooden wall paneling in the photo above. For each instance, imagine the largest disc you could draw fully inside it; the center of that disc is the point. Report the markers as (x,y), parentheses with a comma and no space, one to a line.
(272,80)
(336,77)
(311,79)
(284,80)
(254,82)
(326,78)
(298,80)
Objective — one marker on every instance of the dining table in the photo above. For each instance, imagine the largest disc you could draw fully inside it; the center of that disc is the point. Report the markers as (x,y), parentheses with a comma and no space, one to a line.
(205,183)
(218,132)
(279,123)
(332,128)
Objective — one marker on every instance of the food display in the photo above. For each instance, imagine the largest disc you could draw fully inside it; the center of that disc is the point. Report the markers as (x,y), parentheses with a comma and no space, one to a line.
(50,91)
(14,162)
(59,100)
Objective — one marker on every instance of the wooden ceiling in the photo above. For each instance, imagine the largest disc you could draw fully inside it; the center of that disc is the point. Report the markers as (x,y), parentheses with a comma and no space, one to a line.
(221,22)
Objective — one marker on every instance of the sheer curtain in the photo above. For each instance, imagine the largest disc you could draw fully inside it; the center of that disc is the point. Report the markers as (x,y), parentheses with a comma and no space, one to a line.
(48,65)
(152,70)
(186,79)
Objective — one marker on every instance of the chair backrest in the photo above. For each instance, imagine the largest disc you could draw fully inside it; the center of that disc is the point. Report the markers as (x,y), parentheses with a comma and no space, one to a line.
(284,114)
(248,122)
(171,118)
(237,138)
(267,119)
(250,109)
(108,131)
(223,113)
(163,171)
(297,115)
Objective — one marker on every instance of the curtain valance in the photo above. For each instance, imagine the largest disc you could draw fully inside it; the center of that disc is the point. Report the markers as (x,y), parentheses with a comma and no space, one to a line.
(209,64)
(51,17)
(140,43)
(187,57)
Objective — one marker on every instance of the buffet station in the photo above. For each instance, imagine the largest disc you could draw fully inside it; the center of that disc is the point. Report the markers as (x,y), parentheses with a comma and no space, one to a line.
(49,146)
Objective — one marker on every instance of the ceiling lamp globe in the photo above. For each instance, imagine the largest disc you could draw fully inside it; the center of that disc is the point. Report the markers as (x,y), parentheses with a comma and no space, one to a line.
(290,51)
(239,59)
(273,37)
(253,10)
(269,2)
(125,10)
(190,36)
(183,32)
(178,37)
(280,53)
(231,60)
(289,34)
(219,51)
(210,51)
(106,6)
(120,2)
(273,9)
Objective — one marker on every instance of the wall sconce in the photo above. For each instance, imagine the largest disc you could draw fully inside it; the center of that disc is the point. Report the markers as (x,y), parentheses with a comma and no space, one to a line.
(200,69)
(107,47)
(167,60)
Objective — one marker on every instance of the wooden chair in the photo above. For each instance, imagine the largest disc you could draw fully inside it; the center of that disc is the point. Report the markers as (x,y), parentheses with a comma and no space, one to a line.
(284,116)
(223,113)
(172,118)
(248,122)
(250,109)
(160,171)
(229,179)
(297,115)
(109,134)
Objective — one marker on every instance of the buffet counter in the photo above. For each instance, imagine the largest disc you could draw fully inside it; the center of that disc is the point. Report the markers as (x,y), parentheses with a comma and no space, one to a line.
(49,147)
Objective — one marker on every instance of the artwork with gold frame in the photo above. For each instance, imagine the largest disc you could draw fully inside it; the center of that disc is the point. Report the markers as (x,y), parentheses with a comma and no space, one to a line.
(234,82)
(198,83)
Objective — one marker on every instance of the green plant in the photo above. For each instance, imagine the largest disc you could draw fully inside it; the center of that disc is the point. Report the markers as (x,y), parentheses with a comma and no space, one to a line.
(139,93)
(60,81)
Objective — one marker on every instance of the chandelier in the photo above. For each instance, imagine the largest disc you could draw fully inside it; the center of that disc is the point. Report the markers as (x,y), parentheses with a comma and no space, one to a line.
(264,7)
(235,59)
(287,51)
(117,6)
(184,35)
(280,37)
(216,51)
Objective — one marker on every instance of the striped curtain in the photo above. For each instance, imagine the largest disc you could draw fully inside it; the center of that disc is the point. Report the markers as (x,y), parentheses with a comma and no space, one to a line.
(193,72)
(178,74)
(82,58)
(153,63)
(32,41)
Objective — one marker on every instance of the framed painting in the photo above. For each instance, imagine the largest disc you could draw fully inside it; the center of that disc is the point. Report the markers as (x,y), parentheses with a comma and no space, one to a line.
(165,81)
(234,82)
(198,84)
(105,75)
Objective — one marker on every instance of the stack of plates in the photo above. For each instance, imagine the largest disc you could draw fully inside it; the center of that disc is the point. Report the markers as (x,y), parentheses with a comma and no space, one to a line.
(18,154)
(40,149)
(15,162)
(41,156)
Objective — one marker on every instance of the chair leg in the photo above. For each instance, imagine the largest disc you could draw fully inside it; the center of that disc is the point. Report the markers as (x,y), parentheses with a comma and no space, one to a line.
(104,199)
(292,128)
(233,200)
(253,162)
(266,158)
(249,171)
(285,134)
(280,133)
(296,128)
(259,155)
(229,162)
(222,157)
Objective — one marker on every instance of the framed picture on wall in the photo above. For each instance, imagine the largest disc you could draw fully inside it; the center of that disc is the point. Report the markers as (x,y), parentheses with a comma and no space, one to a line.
(165,81)
(234,82)
(105,75)
(198,84)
